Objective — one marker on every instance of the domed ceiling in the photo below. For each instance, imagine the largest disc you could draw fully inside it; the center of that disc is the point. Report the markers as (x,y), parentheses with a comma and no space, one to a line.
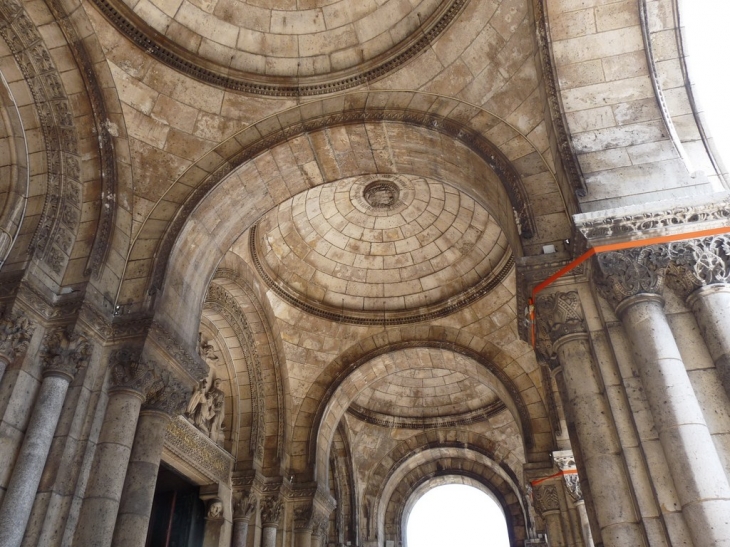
(283,47)
(383,247)
(425,393)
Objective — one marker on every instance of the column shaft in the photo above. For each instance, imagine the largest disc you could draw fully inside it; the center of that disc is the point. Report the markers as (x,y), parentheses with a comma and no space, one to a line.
(268,538)
(26,477)
(554,529)
(694,464)
(240,533)
(106,479)
(586,404)
(303,538)
(711,306)
(139,484)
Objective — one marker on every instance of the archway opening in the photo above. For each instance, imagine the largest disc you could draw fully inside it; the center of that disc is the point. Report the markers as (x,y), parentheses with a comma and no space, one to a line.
(457,514)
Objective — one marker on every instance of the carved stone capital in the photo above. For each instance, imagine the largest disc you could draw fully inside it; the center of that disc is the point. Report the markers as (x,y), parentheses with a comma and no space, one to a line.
(697,263)
(245,507)
(560,314)
(130,372)
(167,394)
(271,511)
(15,333)
(546,498)
(64,352)
(303,517)
(629,272)
(565,461)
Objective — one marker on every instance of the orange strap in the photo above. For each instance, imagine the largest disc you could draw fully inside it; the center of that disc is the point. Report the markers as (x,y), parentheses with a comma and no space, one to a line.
(614,247)
(558,474)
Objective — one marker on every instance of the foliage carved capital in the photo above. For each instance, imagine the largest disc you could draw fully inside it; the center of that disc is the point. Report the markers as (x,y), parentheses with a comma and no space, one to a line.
(697,263)
(64,352)
(15,333)
(629,272)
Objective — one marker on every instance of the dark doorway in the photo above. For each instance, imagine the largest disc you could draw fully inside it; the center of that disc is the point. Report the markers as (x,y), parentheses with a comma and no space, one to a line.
(178,513)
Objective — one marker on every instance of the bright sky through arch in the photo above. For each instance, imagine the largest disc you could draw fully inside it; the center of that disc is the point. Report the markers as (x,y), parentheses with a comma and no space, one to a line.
(456,515)
(707,47)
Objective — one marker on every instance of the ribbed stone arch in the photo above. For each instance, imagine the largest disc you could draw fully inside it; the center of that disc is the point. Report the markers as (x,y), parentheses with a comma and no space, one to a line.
(255,354)
(453,127)
(69,237)
(405,480)
(336,394)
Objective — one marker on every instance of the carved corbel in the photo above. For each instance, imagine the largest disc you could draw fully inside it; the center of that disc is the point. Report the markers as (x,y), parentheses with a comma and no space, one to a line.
(630,272)
(214,510)
(15,334)
(64,352)
(697,263)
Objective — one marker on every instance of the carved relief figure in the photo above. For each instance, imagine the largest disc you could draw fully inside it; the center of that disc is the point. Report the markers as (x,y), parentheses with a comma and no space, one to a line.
(206,409)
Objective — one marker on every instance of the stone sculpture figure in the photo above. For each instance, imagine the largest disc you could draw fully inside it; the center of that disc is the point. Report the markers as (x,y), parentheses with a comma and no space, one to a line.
(206,409)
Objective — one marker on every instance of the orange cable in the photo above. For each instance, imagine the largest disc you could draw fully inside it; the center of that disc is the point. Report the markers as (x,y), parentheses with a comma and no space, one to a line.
(614,247)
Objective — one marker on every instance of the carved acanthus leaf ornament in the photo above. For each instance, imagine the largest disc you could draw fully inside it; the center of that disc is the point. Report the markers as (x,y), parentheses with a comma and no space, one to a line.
(15,333)
(626,273)
(271,511)
(167,394)
(546,498)
(129,371)
(64,352)
(698,262)
(245,507)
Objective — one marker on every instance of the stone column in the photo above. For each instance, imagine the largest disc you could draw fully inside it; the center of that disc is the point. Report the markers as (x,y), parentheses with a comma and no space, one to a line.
(700,272)
(303,526)
(565,344)
(319,531)
(631,280)
(270,515)
(130,379)
(565,461)
(15,333)
(243,509)
(547,504)
(63,353)
(144,462)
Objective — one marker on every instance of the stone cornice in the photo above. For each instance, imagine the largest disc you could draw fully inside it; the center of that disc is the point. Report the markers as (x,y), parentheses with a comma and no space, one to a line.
(655,218)
(195,453)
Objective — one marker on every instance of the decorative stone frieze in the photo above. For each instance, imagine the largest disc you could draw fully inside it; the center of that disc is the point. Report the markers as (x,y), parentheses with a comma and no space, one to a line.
(129,371)
(15,333)
(629,272)
(245,507)
(196,451)
(633,221)
(546,498)
(697,263)
(64,352)
(271,511)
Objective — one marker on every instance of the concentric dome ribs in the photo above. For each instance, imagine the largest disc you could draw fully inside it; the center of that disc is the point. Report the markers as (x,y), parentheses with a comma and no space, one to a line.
(293,38)
(425,393)
(379,244)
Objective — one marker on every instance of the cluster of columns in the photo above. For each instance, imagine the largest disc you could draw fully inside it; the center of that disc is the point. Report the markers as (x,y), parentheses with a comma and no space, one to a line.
(632,281)
(558,499)
(121,483)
